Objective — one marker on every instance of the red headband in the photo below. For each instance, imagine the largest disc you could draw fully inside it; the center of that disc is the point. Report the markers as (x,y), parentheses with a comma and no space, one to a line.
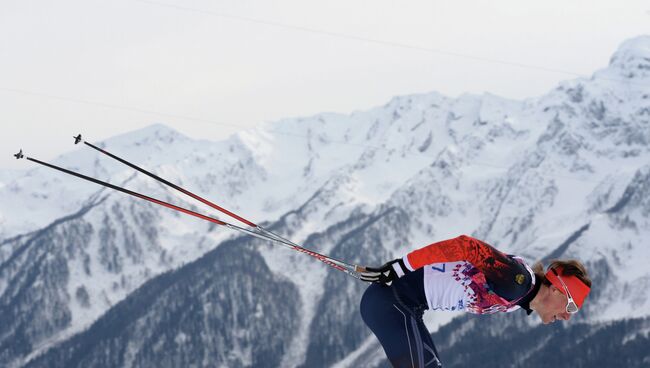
(577,288)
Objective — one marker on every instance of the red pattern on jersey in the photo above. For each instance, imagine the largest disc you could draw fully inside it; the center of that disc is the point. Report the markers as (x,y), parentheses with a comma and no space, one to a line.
(482,300)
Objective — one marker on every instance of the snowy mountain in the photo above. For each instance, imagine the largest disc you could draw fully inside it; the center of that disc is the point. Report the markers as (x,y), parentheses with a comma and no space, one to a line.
(89,277)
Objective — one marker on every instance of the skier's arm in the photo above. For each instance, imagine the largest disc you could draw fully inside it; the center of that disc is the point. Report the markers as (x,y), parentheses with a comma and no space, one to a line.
(496,266)
(463,248)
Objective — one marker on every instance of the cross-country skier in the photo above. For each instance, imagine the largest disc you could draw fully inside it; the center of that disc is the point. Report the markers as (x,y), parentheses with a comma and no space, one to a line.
(461,274)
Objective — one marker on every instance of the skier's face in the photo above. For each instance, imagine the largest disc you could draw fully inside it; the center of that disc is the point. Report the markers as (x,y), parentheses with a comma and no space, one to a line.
(554,306)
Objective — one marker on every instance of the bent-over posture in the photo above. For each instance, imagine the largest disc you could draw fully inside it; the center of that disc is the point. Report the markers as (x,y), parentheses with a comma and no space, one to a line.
(461,274)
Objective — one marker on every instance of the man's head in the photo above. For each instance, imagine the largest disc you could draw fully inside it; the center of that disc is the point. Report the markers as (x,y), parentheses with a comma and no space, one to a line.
(564,287)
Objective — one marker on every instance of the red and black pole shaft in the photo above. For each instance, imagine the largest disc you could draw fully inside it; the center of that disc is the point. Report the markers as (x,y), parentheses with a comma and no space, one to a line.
(323,258)
(130,192)
(182,190)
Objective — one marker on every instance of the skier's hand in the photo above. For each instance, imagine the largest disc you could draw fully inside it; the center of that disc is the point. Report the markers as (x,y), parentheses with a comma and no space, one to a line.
(385,274)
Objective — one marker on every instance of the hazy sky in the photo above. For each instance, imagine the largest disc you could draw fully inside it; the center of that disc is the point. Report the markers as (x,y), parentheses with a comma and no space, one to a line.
(209,68)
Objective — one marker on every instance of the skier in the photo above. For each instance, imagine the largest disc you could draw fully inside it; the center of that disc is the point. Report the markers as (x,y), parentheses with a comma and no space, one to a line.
(461,274)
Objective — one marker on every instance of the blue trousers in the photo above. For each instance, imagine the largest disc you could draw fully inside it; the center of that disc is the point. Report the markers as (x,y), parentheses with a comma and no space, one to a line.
(394,314)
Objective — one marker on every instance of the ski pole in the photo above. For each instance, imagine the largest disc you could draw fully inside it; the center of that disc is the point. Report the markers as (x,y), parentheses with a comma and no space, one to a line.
(152,175)
(316,255)
(257,228)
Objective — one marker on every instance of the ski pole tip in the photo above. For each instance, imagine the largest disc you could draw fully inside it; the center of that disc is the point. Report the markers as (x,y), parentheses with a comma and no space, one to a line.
(77,139)
(19,155)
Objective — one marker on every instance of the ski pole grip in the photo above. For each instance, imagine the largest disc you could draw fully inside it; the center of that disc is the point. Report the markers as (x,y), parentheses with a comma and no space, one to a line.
(358,268)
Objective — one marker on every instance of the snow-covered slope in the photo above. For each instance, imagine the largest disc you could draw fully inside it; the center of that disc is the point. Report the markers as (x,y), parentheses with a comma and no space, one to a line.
(562,175)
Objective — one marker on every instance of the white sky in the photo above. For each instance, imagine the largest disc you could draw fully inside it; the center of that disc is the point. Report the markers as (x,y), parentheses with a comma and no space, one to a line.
(210,68)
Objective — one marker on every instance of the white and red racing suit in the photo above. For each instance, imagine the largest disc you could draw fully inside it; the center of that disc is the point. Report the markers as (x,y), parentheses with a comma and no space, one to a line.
(460,274)
(465,273)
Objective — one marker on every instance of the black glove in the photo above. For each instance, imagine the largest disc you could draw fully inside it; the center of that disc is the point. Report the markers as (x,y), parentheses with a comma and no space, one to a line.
(385,274)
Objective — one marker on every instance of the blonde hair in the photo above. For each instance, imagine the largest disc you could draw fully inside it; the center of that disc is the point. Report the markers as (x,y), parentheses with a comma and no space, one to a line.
(570,267)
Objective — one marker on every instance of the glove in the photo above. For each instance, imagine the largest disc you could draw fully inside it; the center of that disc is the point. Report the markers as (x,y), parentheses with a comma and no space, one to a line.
(385,274)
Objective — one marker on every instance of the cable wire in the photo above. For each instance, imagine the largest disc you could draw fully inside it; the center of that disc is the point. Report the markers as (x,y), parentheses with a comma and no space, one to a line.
(377,41)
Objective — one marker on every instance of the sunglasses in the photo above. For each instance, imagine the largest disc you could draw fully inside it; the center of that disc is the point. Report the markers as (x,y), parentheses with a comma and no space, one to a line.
(571,306)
